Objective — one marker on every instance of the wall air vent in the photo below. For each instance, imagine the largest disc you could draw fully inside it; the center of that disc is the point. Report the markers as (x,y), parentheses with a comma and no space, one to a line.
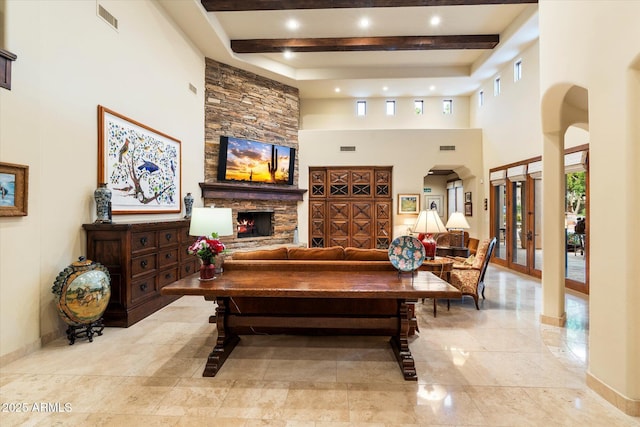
(447,148)
(347,148)
(108,18)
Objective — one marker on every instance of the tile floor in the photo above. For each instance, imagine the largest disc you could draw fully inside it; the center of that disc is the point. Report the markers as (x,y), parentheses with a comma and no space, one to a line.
(494,367)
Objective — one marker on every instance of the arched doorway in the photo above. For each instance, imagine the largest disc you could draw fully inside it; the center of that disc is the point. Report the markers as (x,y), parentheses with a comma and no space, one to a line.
(563,106)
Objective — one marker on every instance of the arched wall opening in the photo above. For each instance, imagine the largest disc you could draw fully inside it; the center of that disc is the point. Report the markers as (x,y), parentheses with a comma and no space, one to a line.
(563,105)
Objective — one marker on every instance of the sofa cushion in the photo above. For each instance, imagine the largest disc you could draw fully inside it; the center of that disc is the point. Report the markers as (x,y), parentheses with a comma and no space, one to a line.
(278,253)
(332,253)
(357,254)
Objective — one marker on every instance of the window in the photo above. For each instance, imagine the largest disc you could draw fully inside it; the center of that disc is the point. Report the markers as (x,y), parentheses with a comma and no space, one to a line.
(517,70)
(447,106)
(418,106)
(361,108)
(391,108)
(481,98)
(496,86)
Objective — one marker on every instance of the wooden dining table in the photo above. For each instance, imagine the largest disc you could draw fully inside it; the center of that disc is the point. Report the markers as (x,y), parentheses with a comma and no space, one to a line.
(315,302)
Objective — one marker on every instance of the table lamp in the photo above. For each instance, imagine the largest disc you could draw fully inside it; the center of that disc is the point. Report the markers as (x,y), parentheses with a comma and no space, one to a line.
(457,221)
(205,221)
(428,223)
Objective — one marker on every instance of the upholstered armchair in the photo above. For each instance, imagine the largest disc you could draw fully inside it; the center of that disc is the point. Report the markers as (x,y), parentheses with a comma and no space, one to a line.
(469,276)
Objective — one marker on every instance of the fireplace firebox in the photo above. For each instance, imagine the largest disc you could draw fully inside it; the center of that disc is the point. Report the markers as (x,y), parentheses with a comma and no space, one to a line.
(255,224)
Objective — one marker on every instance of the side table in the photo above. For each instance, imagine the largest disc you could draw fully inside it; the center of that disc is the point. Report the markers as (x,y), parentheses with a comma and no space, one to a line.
(441,267)
(452,251)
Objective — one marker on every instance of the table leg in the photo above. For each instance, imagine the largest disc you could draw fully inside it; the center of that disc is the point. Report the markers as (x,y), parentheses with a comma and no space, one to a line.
(400,344)
(225,342)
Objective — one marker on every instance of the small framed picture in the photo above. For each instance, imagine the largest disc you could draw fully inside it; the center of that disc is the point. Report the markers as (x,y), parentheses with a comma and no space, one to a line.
(435,202)
(468,209)
(408,204)
(14,189)
(467,197)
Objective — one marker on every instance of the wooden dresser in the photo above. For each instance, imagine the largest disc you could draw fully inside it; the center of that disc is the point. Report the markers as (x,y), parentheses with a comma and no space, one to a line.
(141,258)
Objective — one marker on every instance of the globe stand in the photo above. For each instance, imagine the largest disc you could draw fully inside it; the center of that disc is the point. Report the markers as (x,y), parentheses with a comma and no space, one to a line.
(85,331)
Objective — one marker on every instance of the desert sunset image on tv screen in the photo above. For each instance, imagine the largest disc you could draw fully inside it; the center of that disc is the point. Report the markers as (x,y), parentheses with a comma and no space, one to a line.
(257,162)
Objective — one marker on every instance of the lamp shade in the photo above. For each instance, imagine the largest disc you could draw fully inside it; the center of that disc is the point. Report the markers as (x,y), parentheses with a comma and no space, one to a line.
(205,221)
(429,222)
(458,221)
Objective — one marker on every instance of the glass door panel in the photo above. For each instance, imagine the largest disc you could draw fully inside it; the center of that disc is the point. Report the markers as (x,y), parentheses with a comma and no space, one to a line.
(518,225)
(500,220)
(575,228)
(537,224)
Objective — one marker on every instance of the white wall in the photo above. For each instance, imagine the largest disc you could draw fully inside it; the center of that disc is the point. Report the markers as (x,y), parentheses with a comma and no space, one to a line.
(604,62)
(411,153)
(69,61)
(340,113)
(510,122)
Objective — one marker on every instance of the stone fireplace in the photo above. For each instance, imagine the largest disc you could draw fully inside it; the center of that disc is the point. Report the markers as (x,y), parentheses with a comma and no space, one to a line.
(242,104)
(273,209)
(254,224)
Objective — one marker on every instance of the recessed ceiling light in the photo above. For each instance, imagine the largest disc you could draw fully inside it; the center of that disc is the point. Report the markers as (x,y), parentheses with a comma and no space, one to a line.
(288,54)
(385,88)
(292,24)
(337,90)
(435,21)
(364,23)
(432,88)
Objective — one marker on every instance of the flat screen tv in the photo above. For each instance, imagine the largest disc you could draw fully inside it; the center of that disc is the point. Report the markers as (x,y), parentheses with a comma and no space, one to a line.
(242,160)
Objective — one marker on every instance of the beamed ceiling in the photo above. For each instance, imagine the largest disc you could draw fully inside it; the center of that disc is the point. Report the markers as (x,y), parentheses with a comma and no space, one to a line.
(399,54)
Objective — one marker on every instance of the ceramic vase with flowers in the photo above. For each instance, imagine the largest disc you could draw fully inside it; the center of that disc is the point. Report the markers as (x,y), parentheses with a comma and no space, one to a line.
(207,249)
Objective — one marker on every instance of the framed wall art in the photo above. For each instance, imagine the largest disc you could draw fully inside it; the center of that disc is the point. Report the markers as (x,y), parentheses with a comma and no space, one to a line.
(141,166)
(468,209)
(408,204)
(434,202)
(467,197)
(14,189)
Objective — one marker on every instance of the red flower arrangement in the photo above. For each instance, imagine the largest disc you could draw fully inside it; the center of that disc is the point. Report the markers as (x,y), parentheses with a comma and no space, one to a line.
(207,248)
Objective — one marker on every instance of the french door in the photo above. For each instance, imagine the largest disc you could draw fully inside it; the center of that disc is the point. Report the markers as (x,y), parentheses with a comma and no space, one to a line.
(516,211)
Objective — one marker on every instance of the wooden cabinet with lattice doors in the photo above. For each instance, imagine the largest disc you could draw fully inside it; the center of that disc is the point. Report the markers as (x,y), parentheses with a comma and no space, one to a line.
(350,206)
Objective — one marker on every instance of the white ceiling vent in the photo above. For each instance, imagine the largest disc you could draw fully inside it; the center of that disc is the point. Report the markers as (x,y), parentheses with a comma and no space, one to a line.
(347,148)
(107,17)
(447,148)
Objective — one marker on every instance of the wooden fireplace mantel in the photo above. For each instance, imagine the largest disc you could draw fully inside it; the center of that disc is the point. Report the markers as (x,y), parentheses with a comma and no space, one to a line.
(228,190)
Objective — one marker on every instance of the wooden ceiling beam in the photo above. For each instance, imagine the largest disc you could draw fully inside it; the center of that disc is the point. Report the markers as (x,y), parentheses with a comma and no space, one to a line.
(253,5)
(361,44)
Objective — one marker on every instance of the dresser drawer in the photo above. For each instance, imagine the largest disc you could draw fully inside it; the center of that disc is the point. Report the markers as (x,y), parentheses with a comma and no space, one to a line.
(189,267)
(143,264)
(143,241)
(167,257)
(167,276)
(168,237)
(143,289)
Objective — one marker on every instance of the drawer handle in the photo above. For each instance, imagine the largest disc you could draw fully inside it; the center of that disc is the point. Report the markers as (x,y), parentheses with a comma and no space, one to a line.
(188,268)
(143,287)
(168,256)
(168,236)
(167,276)
(143,241)
(144,263)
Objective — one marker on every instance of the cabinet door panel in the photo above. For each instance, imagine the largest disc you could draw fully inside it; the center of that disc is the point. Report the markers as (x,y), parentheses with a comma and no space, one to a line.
(350,207)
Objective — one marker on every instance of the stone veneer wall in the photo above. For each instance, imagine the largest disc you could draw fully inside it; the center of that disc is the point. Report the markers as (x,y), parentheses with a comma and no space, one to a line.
(244,105)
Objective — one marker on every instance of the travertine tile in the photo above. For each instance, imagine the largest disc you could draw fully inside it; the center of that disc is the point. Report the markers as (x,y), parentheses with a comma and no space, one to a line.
(497,366)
